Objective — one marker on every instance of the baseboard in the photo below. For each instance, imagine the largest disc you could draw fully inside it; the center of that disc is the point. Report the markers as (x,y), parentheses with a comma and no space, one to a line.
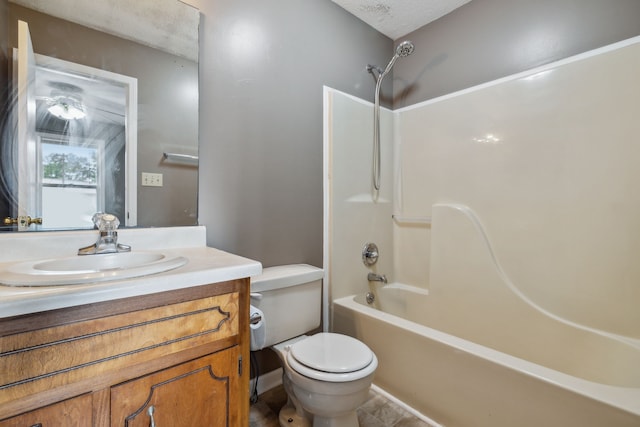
(268,381)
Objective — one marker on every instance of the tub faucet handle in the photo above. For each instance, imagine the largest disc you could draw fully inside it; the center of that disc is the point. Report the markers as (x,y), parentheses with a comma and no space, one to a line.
(370,254)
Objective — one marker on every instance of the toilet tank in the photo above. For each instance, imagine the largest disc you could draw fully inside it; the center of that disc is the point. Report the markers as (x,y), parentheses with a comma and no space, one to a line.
(290,297)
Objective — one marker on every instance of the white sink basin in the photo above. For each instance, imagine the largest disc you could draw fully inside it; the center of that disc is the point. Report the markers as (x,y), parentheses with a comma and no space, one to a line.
(88,269)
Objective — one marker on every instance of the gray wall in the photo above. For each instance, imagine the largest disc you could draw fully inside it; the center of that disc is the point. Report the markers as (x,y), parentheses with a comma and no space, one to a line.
(488,39)
(262,68)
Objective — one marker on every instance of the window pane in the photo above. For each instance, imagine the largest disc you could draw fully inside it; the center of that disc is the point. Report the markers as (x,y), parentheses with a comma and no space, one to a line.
(56,202)
(69,165)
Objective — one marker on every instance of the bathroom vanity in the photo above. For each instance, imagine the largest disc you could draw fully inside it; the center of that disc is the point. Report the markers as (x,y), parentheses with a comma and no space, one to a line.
(167,349)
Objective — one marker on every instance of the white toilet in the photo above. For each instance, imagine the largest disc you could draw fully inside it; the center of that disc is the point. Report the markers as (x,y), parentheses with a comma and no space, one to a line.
(326,376)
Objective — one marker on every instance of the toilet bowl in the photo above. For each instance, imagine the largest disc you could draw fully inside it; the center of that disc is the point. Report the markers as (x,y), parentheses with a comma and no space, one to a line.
(327,376)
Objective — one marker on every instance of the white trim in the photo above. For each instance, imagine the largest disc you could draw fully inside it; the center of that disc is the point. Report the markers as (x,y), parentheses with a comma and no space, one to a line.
(326,183)
(24,64)
(354,98)
(130,85)
(326,186)
(131,177)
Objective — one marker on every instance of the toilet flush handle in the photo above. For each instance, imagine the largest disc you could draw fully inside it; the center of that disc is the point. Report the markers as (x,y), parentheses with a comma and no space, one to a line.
(256,296)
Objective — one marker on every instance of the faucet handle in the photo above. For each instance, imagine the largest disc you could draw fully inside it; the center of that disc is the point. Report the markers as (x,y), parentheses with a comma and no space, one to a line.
(370,254)
(105,221)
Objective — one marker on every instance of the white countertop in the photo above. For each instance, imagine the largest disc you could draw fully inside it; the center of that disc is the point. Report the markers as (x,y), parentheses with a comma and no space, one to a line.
(206,265)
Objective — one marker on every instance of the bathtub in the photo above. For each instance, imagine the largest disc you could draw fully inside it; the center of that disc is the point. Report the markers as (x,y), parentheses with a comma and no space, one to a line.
(456,374)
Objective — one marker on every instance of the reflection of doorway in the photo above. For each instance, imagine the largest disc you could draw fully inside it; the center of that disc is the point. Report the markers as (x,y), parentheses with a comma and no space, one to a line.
(104,99)
(109,104)
(103,104)
(70,175)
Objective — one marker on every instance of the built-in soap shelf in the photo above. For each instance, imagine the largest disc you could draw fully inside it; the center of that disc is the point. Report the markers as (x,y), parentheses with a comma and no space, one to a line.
(416,220)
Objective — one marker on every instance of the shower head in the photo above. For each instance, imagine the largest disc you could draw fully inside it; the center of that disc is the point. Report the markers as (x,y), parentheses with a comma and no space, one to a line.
(404,49)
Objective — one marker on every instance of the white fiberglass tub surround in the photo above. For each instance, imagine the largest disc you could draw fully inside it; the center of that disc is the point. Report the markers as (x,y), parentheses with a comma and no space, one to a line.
(474,351)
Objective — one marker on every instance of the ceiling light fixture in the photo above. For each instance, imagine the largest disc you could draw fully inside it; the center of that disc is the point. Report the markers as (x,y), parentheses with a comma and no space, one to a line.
(67,108)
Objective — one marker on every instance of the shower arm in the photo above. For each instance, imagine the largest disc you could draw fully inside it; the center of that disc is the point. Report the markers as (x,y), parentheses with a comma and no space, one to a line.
(372,68)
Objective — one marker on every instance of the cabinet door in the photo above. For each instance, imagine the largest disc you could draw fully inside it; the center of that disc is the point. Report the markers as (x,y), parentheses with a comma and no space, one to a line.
(74,412)
(203,392)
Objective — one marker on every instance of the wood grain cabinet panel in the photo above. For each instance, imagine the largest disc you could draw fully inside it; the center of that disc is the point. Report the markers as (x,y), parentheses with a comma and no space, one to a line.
(74,352)
(74,412)
(198,393)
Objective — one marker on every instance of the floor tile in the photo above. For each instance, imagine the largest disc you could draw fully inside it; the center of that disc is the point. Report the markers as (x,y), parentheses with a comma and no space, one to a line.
(375,412)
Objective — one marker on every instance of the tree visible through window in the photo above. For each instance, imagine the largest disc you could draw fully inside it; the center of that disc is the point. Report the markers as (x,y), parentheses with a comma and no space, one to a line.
(70,168)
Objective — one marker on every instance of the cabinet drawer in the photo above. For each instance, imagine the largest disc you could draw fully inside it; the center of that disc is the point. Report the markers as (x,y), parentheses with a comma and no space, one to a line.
(74,412)
(43,360)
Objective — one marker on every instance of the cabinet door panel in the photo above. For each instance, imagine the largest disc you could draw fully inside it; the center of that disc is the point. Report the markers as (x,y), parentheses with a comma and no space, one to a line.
(195,393)
(74,412)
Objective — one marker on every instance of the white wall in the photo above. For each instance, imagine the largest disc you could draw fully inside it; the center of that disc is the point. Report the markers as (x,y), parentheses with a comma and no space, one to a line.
(554,188)
(546,160)
(357,213)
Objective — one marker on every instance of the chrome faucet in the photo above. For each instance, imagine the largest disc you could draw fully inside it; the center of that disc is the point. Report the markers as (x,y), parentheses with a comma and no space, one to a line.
(107,242)
(373,277)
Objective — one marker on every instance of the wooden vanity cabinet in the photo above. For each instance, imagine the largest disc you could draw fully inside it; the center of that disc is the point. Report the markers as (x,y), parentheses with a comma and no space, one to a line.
(180,356)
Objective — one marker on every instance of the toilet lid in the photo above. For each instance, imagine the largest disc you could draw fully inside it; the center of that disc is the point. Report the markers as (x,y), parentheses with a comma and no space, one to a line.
(333,353)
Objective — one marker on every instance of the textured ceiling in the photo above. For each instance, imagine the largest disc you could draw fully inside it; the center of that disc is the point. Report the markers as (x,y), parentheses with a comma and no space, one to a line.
(169,25)
(397,18)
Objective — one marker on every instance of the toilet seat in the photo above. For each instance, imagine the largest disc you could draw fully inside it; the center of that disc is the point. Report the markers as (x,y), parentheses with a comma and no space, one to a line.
(332,357)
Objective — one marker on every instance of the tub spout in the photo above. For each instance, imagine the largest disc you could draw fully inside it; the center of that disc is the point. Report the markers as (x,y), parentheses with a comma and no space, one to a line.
(373,277)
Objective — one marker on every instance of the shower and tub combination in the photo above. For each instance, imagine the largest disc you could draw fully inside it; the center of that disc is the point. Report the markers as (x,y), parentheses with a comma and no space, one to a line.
(511,294)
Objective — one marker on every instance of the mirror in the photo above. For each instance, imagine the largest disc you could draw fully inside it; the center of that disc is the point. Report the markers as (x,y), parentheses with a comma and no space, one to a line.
(115,113)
